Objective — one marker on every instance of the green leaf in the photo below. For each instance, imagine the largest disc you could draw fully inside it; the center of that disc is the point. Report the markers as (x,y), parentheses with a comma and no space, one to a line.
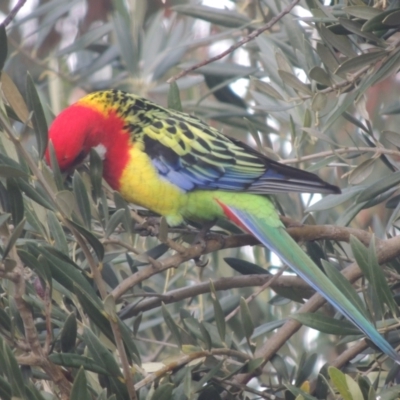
(306,369)
(33,194)
(33,263)
(101,354)
(360,61)
(326,324)
(10,172)
(114,221)
(66,272)
(247,322)
(13,238)
(163,392)
(3,46)
(340,382)
(362,12)
(79,389)
(13,371)
(38,119)
(82,199)
(339,280)
(69,334)
(378,187)
(294,82)
(57,233)
(94,242)
(378,280)
(96,173)
(223,17)
(300,393)
(70,360)
(128,47)
(377,23)
(218,313)
(173,328)
(16,201)
(55,167)
(245,267)
(174,98)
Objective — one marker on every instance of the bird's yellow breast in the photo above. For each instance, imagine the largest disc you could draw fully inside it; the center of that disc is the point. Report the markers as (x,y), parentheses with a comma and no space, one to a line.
(141,184)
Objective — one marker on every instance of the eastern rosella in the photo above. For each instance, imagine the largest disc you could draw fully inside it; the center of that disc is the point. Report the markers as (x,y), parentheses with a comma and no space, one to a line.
(179,167)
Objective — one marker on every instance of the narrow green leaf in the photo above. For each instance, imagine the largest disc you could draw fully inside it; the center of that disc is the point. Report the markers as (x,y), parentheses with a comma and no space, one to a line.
(339,42)
(16,200)
(3,46)
(13,238)
(173,328)
(219,315)
(94,242)
(10,172)
(376,23)
(114,221)
(247,321)
(206,336)
(66,273)
(306,369)
(69,334)
(33,194)
(14,98)
(174,98)
(82,199)
(340,382)
(163,392)
(38,119)
(360,61)
(14,373)
(326,324)
(320,75)
(280,367)
(344,286)
(378,280)
(223,17)
(79,389)
(300,394)
(96,173)
(245,267)
(33,263)
(294,82)
(101,354)
(66,202)
(57,232)
(70,360)
(55,167)
(362,12)
(379,187)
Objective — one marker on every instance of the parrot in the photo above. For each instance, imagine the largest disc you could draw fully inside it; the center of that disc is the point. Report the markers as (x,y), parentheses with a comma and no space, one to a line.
(179,167)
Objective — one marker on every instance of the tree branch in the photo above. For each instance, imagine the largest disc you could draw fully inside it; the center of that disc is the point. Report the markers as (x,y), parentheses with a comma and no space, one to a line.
(238,44)
(220,285)
(11,15)
(386,251)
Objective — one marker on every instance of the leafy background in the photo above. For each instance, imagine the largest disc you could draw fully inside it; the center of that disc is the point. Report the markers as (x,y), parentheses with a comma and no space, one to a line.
(162,318)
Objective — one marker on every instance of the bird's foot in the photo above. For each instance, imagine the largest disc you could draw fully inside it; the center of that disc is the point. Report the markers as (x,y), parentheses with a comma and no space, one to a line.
(151,227)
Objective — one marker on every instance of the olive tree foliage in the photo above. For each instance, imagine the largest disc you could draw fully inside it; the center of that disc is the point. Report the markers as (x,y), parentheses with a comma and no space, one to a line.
(97,303)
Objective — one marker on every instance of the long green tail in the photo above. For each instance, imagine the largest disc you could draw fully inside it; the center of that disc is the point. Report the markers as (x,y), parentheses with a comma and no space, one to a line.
(281,243)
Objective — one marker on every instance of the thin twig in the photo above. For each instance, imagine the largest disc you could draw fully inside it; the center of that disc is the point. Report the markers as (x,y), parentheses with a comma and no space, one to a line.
(238,44)
(322,154)
(11,15)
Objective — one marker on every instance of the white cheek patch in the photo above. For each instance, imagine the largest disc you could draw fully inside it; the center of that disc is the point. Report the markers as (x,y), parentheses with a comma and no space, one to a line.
(101,150)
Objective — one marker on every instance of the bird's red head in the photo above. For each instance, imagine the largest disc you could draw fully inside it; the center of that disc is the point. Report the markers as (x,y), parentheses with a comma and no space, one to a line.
(83,126)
